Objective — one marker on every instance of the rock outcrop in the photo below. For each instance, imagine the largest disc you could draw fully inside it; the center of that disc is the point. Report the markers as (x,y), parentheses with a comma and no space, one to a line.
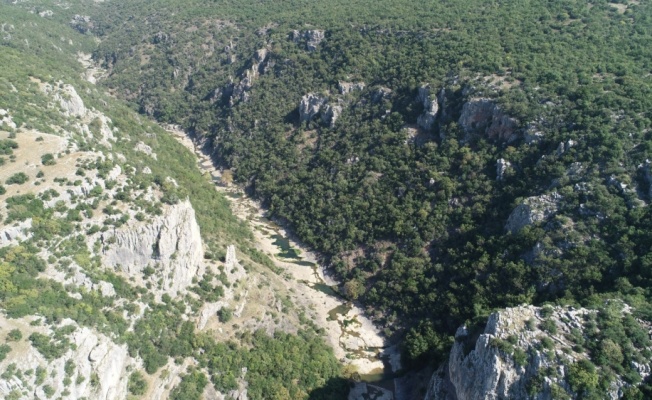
(312,38)
(13,234)
(502,166)
(564,146)
(101,366)
(6,119)
(532,210)
(71,104)
(171,244)
(348,87)
(145,149)
(524,352)
(330,114)
(81,23)
(311,104)
(381,94)
(430,107)
(240,91)
(484,116)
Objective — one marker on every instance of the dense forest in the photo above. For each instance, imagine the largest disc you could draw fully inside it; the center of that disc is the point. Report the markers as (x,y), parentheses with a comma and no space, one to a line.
(353,122)
(414,223)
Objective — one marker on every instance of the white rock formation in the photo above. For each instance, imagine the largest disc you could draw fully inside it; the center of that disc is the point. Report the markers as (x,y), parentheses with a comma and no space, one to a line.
(430,107)
(532,210)
(143,148)
(532,135)
(311,104)
(313,38)
(6,119)
(564,146)
(71,104)
(11,235)
(348,87)
(331,114)
(240,91)
(171,244)
(484,116)
(380,94)
(484,372)
(93,354)
(502,166)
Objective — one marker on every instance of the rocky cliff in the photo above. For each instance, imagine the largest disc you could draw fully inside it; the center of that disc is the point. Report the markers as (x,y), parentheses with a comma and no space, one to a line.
(484,116)
(98,365)
(529,352)
(171,244)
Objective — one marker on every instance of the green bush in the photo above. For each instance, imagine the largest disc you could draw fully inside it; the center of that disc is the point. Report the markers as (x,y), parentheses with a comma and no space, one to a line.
(17,179)
(7,146)
(225,314)
(48,159)
(549,326)
(137,384)
(582,376)
(14,335)
(4,350)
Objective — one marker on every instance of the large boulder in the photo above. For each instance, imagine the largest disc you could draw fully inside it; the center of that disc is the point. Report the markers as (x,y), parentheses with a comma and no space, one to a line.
(532,210)
(311,104)
(484,117)
(312,38)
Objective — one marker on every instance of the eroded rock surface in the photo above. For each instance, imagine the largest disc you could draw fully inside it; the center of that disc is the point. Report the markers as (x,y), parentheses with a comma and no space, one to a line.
(488,368)
(532,210)
(430,107)
(484,116)
(171,244)
(311,104)
(101,366)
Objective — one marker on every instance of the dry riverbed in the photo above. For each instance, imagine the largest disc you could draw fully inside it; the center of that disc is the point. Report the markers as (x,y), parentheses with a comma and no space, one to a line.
(354,338)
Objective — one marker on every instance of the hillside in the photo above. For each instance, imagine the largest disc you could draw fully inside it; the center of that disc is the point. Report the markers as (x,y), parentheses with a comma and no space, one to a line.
(445,160)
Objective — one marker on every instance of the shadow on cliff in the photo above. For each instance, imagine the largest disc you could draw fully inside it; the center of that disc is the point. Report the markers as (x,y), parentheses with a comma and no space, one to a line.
(334,389)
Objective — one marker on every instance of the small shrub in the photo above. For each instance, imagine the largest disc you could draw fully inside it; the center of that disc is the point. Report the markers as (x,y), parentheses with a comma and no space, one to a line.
(48,390)
(137,384)
(530,324)
(549,326)
(17,179)
(48,159)
(4,350)
(546,311)
(14,335)
(225,314)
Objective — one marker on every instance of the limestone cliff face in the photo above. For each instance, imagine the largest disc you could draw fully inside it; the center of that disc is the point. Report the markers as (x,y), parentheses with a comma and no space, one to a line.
(101,363)
(171,244)
(489,367)
(430,107)
(484,116)
(311,104)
